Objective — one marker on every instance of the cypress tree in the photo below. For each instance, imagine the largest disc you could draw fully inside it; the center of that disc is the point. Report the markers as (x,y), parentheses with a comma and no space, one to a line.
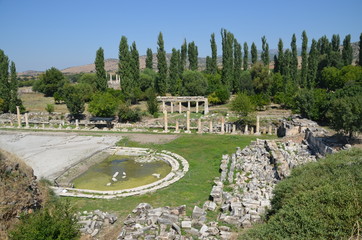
(278,61)
(246,57)
(183,56)
(304,59)
(4,81)
(161,81)
(237,66)
(265,53)
(294,59)
(335,42)
(14,101)
(213,61)
(312,65)
(208,64)
(124,67)
(101,81)
(360,50)
(347,53)
(149,59)
(287,59)
(135,65)
(193,56)
(227,58)
(323,45)
(174,71)
(254,53)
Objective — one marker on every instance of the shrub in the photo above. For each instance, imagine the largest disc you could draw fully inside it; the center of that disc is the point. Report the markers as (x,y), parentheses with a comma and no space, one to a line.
(103,105)
(152,104)
(127,114)
(242,104)
(49,108)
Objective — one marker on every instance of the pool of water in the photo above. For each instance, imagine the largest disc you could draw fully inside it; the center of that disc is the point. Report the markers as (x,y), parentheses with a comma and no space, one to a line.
(136,174)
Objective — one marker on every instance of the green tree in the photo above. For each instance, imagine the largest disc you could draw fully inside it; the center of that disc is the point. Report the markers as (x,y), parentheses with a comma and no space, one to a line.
(261,78)
(213,62)
(194,83)
(254,53)
(347,52)
(4,82)
(74,100)
(14,99)
(50,82)
(161,81)
(360,50)
(246,57)
(312,65)
(49,108)
(294,59)
(89,78)
(103,105)
(265,53)
(183,57)
(242,104)
(124,66)
(149,59)
(193,56)
(227,58)
(237,66)
(304,72)
(312,103)
(135,65)
(335,44)
(278,60)
(101,82)
(174,71)
(147,79)
(127,114)
(152,104)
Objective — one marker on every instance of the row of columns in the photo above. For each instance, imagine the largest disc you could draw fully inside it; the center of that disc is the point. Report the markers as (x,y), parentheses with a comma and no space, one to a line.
(206,106)
(118,78)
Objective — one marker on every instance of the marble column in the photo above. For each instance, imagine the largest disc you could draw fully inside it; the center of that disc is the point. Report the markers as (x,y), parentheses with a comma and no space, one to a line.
(197,106)
(222,125)
(257,131)
(43,126)
(270,130)
(177,127)
(246,131)
(26,120)
(110,77)
(199,126)
(171,107)
(252,131)
(179,107)
(165,121)
(206,106)
(188,122)
(188,106)
(210,127)
(234,129)
(18,115)
(163,106)
(76,124)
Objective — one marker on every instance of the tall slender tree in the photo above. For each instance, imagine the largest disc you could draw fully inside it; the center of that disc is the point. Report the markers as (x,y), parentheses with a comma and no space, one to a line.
(101,81)
(347,52)
(135,65)
(278,60)
(336,42)
(193,56)
(246,57)
(14,100)
(304,60)
(360,50)
(183,56)
(265,53)
(294,59)
(287,63)
(213,62)
(174,71)
(312,65)
(161,81)
(237,66)
(124,67)
(4,82)
(227,58)
(149,58)
(254,53)
(208,64)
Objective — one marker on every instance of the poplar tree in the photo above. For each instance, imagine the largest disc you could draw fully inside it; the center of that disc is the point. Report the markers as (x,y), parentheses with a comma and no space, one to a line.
(183,56)
(101,81)
(227,58)
(161,81)
(149,59)
(304,59)
(287,63)
(237,66)
(312,64)
(208,64)
(4,82)
(335,42)
(347,53)
(360,50)
(174,71)
(213,61)
(124,67)
(14,101)
(246,57)
(265,53)
(193,56)
(254,53)
(135,65)
(278,60)
(294,59)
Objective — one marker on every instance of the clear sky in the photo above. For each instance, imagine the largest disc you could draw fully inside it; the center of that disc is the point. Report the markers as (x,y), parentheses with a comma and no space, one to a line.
(39,34)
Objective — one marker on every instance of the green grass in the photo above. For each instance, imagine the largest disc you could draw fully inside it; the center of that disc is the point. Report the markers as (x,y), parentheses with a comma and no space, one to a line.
(203,153)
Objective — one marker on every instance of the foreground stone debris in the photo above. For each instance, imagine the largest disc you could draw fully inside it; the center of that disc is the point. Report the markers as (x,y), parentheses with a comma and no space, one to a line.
(92,222)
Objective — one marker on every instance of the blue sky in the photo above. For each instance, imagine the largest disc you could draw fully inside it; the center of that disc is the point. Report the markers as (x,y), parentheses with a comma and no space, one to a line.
(39,34)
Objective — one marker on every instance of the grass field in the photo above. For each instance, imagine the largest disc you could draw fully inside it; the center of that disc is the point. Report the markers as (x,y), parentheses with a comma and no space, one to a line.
(36,102)
(204,154)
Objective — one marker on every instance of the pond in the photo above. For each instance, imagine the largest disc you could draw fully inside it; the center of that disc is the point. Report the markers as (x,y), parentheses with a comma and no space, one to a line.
(131,173)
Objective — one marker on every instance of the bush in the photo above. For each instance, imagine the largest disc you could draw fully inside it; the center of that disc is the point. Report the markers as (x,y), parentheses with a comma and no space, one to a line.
(321,200)
(73,99)
(103,105)
(55,221)
(220,96)
(194,83)
(242,104)
(49,108)
(127,114)
(152,104)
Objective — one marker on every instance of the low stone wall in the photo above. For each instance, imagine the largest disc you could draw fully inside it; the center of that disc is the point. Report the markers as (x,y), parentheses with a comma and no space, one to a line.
(178,164)
(316,144)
